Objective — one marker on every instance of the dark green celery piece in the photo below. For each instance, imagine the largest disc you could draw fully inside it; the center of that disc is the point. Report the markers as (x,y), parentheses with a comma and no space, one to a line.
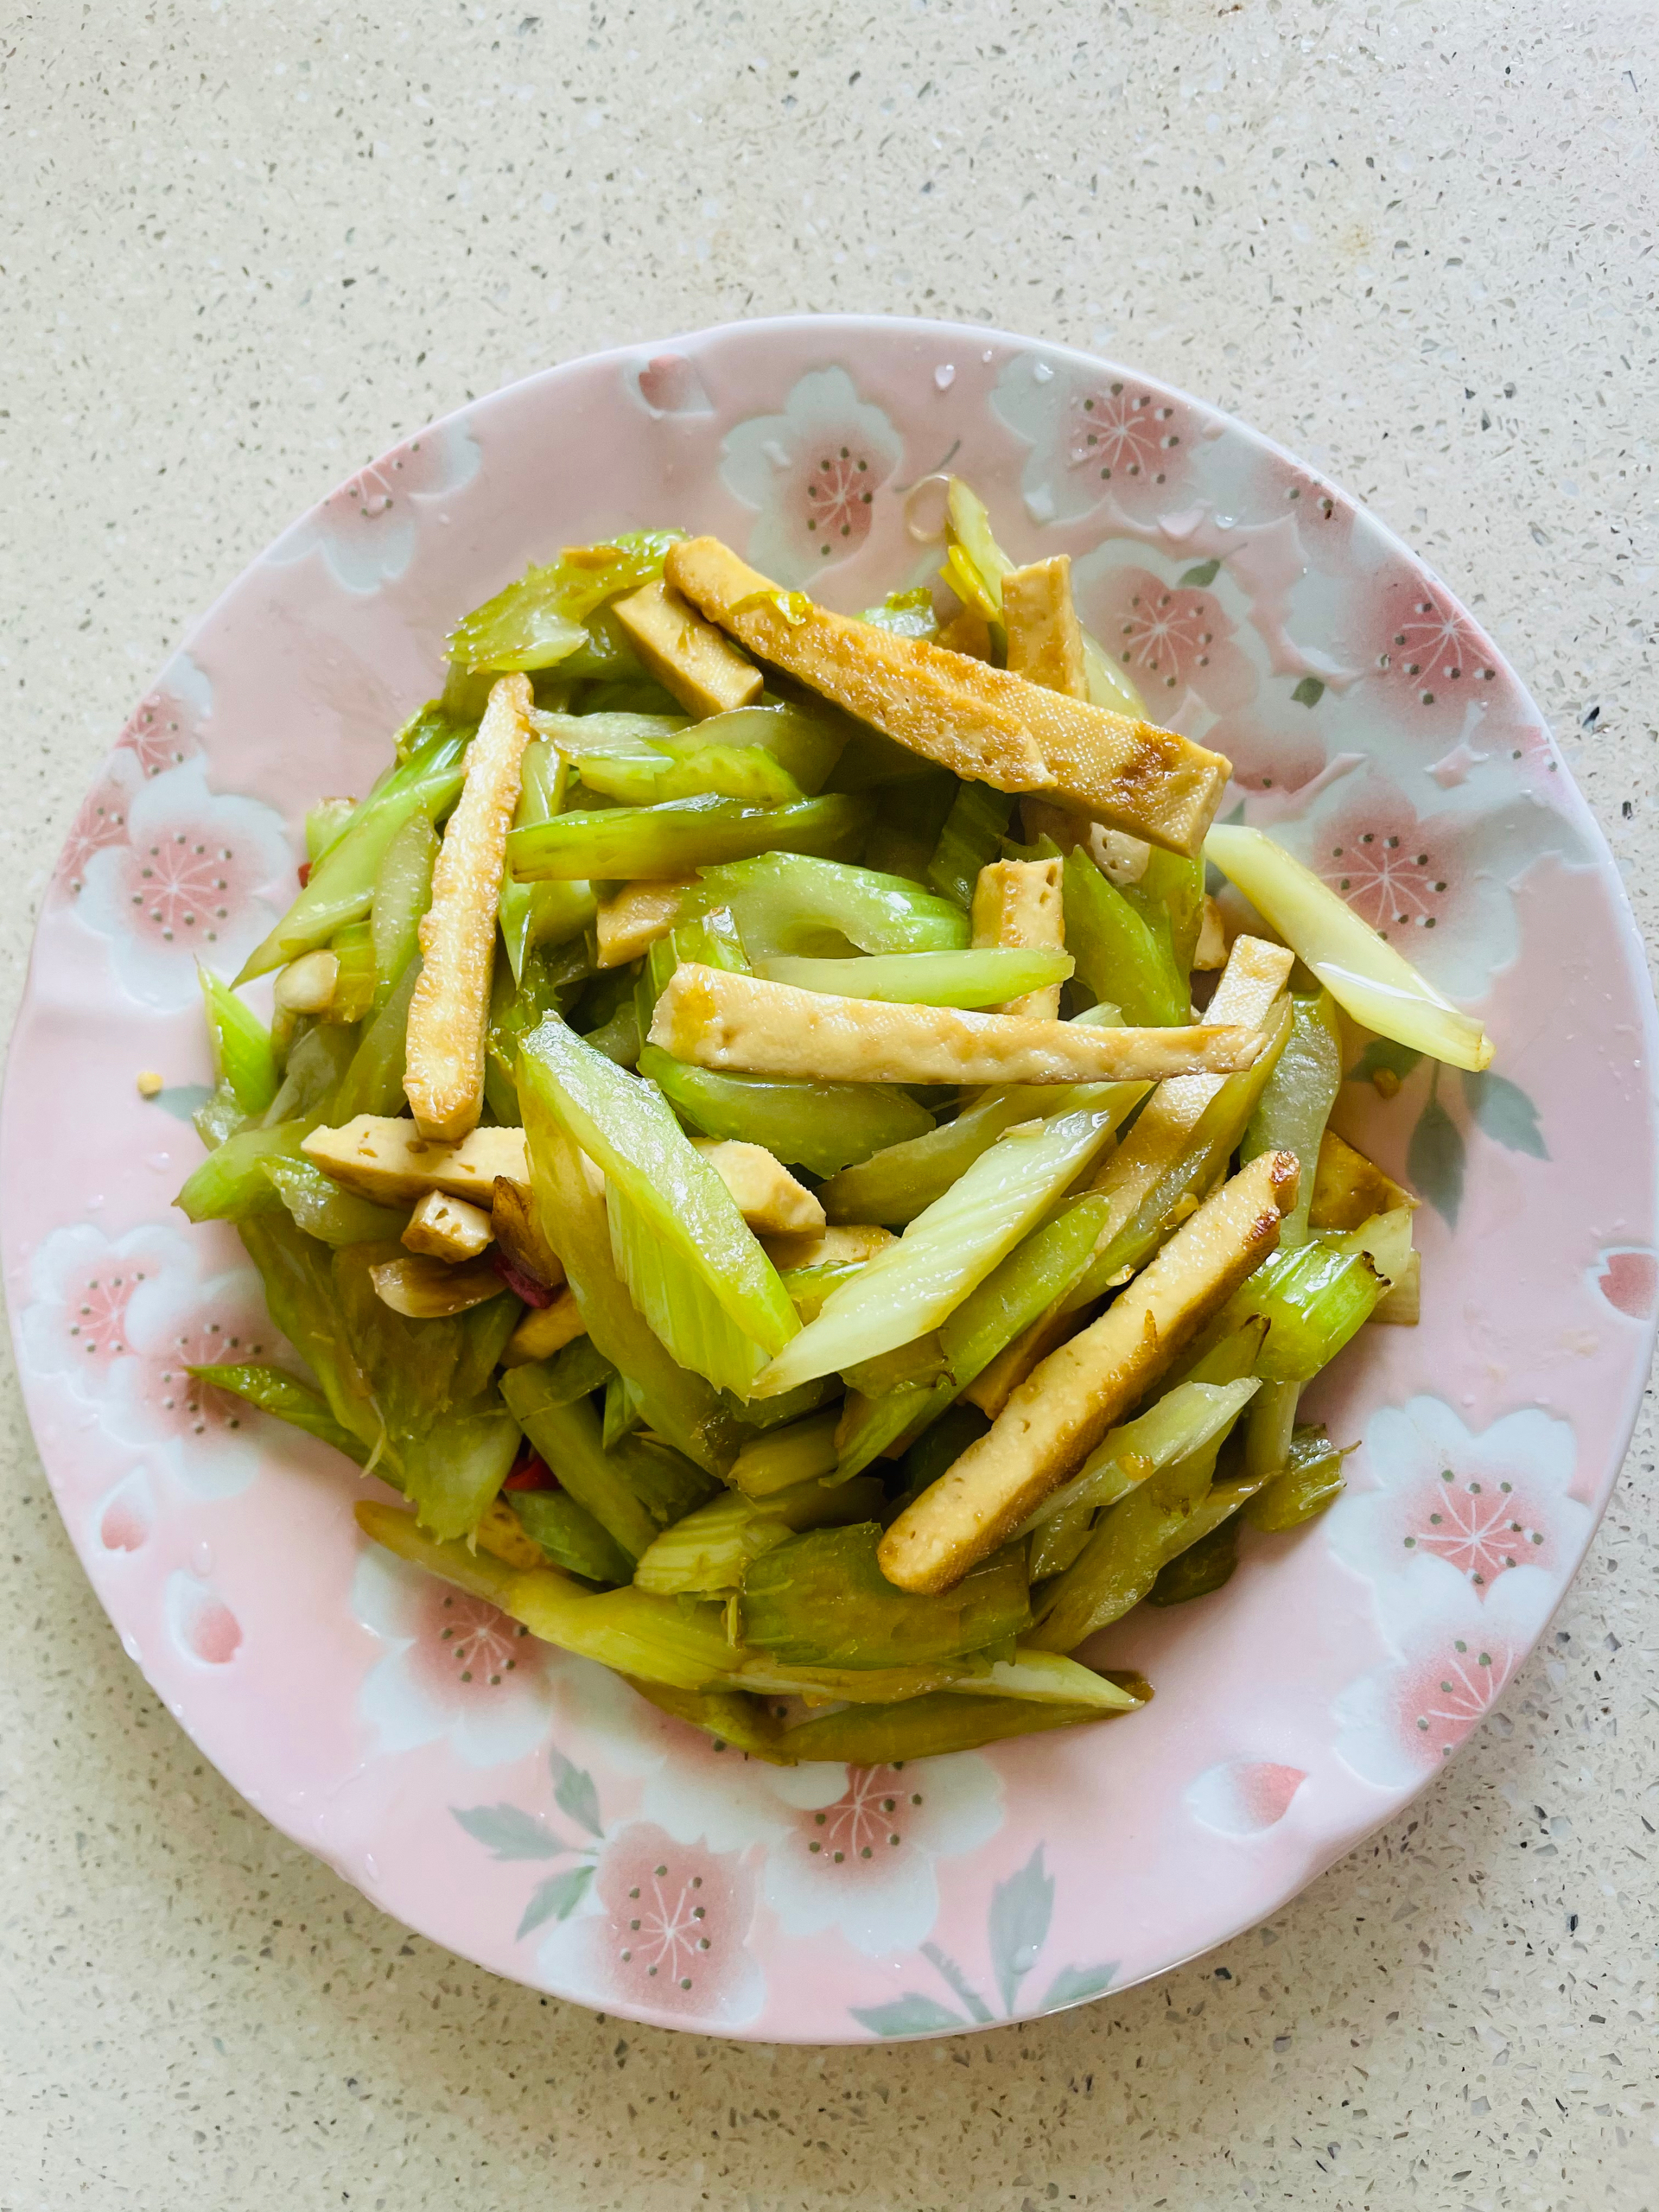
(452,1470)
(569,1535)
(231,1184)
(1310,1480)
(341,887)
(297,1274)
(735,1717)
(618,1037)
(485,1328)
(633,1491)
(660,841)
(910,819)
(577,1372)
(1125,1554)
(919,1361)
(1170,893)
(604,655)
(621,1414)
(529,625)
(541,914)
(937,1448)
(818,1125)
(1296,1104)
(821,1600)
(1199,1569)
(925,1727)
(764,1414)
(971,838)
(274,1390)
(794,903)
(1120,955)
(242,1055)
(677,1404)
(374,1081)
(1313,1301)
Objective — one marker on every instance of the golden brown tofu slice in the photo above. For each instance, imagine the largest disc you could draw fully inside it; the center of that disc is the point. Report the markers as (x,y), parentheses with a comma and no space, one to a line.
(1060,1412)
(1018,902)
(769,1197)
(722,1020)
(846,1245)
(448,1229)
(984,724)
(1044,637)
(632,923)
(1349,1189)
(545,1330)
(389,1161)
(689,657)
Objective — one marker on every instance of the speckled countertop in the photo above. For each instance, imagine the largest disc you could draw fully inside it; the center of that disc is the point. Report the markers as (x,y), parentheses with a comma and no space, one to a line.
(247,247)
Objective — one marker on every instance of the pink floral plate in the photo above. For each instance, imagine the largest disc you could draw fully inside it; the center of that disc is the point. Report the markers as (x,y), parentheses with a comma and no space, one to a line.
(524,1808)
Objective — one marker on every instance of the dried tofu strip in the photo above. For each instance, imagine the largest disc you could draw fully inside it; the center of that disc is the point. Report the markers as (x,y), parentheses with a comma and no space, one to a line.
(632,923)
(726,1021)
(448,1229)
(1210,950)
(545,1330)
(389,1159)
(984,724)
(769,1197)
(1349,1189)
(1061,1412)
(1044,637)
(846,1245)
(448,1013)
(689,657)
(1018,903)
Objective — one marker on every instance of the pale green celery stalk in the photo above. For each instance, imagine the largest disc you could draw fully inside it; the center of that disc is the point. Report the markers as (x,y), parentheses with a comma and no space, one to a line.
(353,995)
(679,1405)
(808,1287)
(298,1278)
(921,1362)
(924,1727)
(1363,972)
(537,622)
(1268,1428)
(317,1060)
(326,1211)
(1050,1678)
(243,1057)
(452,1470)
(819,1126)
(683,835)
(1056,1543)
(1386,1237)
(1170,893)
(1309,1480)
(621,1415)
(982,978)
(859,1686)
(1121,955)
(748,772)
(569,1535)
(895,1184)
(1192,1418)
(656,1639)
(916,1284)
(373,1079)
(1108,686)
(274,1390)
(341,889)
(693,1266)
(785,1456)
(232,1183)
(1296,1104)
(325,822)
(403,892)
(217,1117)
(632,1491)
(711,939)
(821,1600)
(806,745)
(972,836)
(710,1550)
(904,613)
(409,1365)
(794,903)
(1123,1558)
(1313,1301)
(616,736)
(435,720)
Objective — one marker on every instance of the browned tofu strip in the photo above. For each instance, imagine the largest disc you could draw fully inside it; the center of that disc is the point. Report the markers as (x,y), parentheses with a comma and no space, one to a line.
(641,913)
(1060,1413)
(1018,902)
(1348,1189)
(689,657)
(387,1159)
(1044,637)
(722,1020)
(984,724)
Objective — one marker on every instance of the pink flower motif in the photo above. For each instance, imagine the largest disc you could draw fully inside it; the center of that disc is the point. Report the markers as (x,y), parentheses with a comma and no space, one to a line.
(202,1625)
(669,383)
(101,820)
(209,1437)
(1427,657)
(82,1285)
(1627,1279)
(1244,1796)
(1123,436)
(1094,436)
(1175,643)
(126,1519)
(664,1933)
(366,529)
(1282,757)
(813,473)
(158,735)
(1391,870)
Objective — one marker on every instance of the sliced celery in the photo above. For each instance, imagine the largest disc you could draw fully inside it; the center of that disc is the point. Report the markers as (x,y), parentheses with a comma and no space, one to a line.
(353,993)
(736,1719)
(1123,1558)
(232,1183)
(537,622)
(1361,970)
(403,892)
(678,770)
(606,737)
(1056,1543)
(1386,1237)
(788,903)
(925,1727)
(621,1415)
(298,1278)
(1170,893)
(972,836)
(1121,956)
(710,1550)
(373,1080)
(632,1491)
(326,1211)
(1309,1480)
(577,1372)
(1296,1101)
(541,914)
(983,978)
(821,1600)
(570,1535)
(218,1116)
(1203,1567)
(1052,1678)
(243,1057)
(682,835)
(805,742)
(1313,1301)
(274,1390)
(317,1060)
(328,819)
(820,1125)
(1191,1418)
(785,1456)
(454,1469)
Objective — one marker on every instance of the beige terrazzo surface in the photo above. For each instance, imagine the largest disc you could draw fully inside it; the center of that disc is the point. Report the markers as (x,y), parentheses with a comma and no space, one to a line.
(246,247)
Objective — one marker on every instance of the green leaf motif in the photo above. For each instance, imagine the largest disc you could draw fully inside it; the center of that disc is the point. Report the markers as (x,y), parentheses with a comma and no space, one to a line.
(1308,692)
(557,1898)
(573,1793)
(507,1831)
(1434,1160)
(1383,1053)
(1021,1908)
(958,1983)
(1205,573)
(1076,1985)
(908,2016)
(1505,1113)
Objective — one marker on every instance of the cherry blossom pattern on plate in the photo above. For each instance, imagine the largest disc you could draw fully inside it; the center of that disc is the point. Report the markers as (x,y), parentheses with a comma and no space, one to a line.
(1454,1647)
(811,474)
(164,729)
(82,1284)
(125,1520)
(1096,433)
(200,1624)
(668,383)
(1627,1275)
(454,1667)
(100,821)
(194,878)
(1172,636)
(366,529)
(1486,1504)
(1018,1922)
(1450,1108)
(1243,1797)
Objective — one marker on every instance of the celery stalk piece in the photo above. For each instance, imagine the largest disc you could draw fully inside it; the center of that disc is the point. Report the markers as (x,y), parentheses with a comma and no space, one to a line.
(793,903)
(1121,956)
(906,614)
(1056,1543)
(808,1287)
(982,978)
(578,738)
(925,1727)
(298,1278)
(403,892)
(679,1405)
(786,1456)
(927,1458)
(1123,1558)
(656,843)
(1108,686)
(1386,1237)
(453,1470)
(274,1390)
(325,822)
(919,1363)
(819,1126)
(569,1535)
(621,1415)
(804,743)
(655,1638)
(1170,893)
(632,1491)
(243,1056)
(1363,972)
(761,1415)
(914,1285)
(537,622)
(972,835)
(373,1079)
(1203,1567)
(218,1116)
(1050,1678)
(1313,1301)
(577,1372)
(748,772)
(861,1686)
(353,993)
(1310,1479)
(735,1717)
(317,1060)
(341,889)
(1192,1418)
(1270,1427)
(232,1183)
(710,1550)
(695,1269)
(1296,1101)
(821,1600)
(326,1211)
(541,914)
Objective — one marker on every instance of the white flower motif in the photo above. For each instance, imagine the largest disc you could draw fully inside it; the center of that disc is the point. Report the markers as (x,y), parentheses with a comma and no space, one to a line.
(366,529)
(1095,433)
(82,1285)
(454,1667)
(812,473)
(194,878)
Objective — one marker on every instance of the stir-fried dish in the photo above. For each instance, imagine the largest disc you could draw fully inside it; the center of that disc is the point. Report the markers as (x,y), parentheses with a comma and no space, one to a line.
(736,1146)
